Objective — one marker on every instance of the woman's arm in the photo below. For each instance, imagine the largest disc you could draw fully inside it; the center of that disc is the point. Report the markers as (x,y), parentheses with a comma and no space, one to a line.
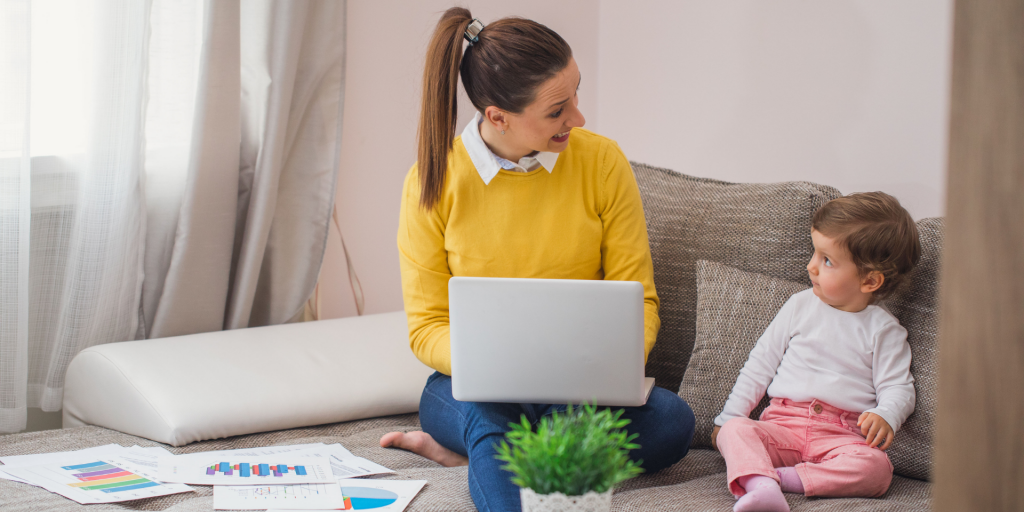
(625,250)
(425,274)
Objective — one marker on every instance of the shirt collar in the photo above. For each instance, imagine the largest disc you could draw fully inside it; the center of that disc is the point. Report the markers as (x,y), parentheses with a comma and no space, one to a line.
(486,162)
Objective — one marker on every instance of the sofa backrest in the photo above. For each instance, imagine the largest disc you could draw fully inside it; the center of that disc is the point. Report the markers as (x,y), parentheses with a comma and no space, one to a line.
(764,228)
(916,305)
(756,227)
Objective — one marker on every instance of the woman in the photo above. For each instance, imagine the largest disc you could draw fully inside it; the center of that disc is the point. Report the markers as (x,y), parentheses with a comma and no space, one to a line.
(524,192)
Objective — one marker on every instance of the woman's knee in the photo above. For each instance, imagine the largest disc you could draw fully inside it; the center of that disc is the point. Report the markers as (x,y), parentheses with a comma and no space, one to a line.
(664,431)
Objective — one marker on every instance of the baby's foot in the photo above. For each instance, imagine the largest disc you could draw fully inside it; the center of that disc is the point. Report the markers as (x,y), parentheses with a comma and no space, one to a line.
(789,480)
(423,445)
(763,495)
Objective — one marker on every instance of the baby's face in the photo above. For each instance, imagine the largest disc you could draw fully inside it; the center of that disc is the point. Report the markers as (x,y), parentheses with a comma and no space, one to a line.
(837,280)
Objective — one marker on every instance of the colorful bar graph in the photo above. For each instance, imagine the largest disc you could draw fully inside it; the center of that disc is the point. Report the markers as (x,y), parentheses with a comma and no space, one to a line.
(101,476)
(245,469)
(132,487)
(92,474)
(104,477)
(84,466)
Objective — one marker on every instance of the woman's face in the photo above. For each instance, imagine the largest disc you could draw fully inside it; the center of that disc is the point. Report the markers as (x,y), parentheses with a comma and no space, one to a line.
(544,125)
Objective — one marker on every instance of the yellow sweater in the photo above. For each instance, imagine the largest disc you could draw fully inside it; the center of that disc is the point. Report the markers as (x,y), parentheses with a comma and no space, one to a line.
(584,220)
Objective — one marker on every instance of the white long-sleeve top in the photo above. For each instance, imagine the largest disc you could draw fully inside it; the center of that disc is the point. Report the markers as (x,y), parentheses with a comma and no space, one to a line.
(859,362)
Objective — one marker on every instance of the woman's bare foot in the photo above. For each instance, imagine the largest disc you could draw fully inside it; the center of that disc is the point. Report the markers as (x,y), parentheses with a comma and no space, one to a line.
(423,445)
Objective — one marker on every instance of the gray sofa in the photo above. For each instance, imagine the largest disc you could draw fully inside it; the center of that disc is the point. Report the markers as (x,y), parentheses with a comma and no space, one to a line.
(714,244)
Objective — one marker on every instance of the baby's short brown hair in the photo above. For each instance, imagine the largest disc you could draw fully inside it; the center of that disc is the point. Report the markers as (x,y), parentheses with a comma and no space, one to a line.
(879,234)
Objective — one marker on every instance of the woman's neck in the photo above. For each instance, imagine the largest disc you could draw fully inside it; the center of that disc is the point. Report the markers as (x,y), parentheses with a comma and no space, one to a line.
(498,144)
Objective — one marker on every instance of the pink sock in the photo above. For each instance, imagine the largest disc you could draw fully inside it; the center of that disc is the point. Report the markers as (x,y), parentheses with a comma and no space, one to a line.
(790,480)
(763,495)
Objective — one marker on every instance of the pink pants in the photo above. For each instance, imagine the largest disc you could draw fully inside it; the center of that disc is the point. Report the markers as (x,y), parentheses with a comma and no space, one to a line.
(823,442)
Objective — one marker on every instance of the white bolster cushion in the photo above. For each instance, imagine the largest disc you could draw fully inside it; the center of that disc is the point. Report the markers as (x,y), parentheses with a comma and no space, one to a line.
(218,384)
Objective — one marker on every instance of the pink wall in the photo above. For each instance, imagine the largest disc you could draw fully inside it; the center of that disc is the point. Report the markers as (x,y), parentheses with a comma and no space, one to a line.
(852,94)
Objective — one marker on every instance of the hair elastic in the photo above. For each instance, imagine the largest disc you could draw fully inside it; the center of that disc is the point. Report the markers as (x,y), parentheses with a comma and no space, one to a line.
(472,33)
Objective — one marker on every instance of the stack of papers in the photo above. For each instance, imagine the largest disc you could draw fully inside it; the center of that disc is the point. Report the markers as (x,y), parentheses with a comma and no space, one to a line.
(104,474)
(297,477)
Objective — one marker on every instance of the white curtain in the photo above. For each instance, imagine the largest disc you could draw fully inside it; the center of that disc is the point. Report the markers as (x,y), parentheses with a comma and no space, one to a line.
(164,166)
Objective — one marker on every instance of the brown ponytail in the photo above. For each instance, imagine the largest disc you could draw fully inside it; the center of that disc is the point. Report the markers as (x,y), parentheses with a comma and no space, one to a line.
(503,68)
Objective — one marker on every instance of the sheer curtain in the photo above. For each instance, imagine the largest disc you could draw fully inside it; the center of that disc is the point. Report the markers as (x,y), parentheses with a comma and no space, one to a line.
(166,167)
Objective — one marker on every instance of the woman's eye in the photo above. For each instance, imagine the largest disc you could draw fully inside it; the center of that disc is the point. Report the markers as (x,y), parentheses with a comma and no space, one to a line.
(556,114)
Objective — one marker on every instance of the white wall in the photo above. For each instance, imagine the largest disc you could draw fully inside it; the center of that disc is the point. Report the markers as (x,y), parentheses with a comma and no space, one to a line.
(851,94)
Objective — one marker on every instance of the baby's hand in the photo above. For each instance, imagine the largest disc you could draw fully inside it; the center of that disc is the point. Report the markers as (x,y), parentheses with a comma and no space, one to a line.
(876,430)
(714,437)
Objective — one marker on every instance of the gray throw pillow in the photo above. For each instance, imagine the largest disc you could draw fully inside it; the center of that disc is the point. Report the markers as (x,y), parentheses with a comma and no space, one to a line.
(757,227)
(916,305)
(733,310)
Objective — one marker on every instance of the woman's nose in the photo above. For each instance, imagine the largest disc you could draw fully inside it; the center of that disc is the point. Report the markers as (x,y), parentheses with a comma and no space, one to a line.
(576,119)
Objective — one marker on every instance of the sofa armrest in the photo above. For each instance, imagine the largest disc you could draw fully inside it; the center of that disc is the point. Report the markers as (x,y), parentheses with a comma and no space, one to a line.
(218,384)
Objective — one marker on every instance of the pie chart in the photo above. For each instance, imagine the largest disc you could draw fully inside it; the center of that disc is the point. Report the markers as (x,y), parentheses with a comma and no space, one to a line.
(367,498)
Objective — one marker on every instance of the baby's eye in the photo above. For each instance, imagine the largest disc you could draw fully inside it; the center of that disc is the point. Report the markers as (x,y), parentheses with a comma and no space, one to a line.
(828,262)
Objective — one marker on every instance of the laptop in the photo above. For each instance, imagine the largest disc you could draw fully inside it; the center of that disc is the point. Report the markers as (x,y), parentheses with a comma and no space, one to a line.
(547,341)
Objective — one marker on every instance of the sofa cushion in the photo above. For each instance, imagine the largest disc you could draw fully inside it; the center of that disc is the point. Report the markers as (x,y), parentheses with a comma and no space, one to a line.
(695,483)
(761,228)
(709,494)
(733,310)
(916,305)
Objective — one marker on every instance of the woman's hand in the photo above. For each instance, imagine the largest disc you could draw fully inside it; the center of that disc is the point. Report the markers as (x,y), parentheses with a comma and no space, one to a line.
(714,437)
(876,430)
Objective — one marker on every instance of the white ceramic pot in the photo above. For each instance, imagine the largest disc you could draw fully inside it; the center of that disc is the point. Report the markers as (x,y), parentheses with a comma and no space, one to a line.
(558,502)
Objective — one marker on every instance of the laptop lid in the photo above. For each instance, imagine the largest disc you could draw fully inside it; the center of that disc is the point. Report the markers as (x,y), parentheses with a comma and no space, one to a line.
(547,341)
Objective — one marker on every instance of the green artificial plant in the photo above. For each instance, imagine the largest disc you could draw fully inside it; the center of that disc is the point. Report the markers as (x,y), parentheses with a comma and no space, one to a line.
(573,453)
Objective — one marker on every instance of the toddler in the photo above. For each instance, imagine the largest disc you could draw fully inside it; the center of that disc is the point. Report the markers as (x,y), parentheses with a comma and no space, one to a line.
(835,364)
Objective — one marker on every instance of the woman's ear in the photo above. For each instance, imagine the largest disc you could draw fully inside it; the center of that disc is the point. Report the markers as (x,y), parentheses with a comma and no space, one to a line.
(871,282)
(496,117)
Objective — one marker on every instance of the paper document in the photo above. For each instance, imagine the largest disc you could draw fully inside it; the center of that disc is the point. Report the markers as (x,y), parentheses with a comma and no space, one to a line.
(261,497)
(380,495)
(256,452)
(376,495)
(236,470)
(90,479)
(346,465)
(143,456)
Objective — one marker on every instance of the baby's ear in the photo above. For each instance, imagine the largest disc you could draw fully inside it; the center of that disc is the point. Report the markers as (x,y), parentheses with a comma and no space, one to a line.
(871,282)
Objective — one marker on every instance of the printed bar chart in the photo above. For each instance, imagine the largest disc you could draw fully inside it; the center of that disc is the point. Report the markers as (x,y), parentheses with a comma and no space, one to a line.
(106,477)
(245,469)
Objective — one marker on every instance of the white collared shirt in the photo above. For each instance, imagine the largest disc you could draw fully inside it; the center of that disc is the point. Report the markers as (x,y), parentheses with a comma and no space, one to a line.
(489,165)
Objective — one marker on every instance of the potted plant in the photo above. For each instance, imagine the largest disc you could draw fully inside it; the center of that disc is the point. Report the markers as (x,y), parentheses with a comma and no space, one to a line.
(572,462)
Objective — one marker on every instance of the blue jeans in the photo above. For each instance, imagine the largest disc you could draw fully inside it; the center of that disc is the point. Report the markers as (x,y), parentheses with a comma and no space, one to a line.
(664,424)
